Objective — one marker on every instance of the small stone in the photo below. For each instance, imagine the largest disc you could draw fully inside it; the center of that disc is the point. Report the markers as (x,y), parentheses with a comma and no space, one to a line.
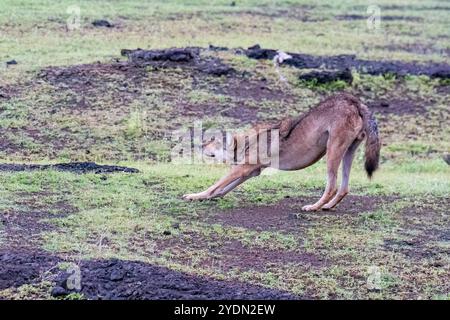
(176,225)
(102,23)
(59,292)
(117,275)
(446,158)
(254,47)
(294,215)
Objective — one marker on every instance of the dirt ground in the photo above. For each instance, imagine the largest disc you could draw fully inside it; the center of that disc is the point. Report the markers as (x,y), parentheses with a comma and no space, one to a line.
(118,279)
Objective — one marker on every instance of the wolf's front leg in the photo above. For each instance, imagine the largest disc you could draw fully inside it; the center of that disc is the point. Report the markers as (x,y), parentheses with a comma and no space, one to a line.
(235,177)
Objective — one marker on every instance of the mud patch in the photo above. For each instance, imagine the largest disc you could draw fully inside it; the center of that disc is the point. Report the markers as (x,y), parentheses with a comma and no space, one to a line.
(342,62)
(102,23)
(23,229)
(8,91)
(118,279)
(322,77)
(258,90)
(231,255)
(178,57)
(397,106)
(24,225)
(19,267)
(74,167)
(424,232)
(87,79)
(286,215)
(235,255)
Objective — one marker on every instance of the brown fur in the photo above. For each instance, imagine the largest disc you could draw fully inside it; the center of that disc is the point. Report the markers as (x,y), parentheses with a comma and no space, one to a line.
(335,127)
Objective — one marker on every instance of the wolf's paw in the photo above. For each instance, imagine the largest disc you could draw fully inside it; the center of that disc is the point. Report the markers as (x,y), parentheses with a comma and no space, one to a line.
(310,207)
(192,197)
(328,206)
(189,197)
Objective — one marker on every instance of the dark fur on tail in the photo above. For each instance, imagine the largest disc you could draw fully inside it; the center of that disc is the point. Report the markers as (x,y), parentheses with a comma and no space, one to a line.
(373,145)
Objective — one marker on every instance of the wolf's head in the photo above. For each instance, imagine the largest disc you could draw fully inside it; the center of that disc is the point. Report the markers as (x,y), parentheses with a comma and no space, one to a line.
(216,148)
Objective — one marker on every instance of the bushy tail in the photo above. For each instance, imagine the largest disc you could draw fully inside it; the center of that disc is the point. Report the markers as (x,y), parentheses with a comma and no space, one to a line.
(373,145)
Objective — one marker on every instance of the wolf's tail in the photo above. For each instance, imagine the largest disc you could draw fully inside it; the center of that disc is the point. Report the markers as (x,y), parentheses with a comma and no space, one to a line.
(373,145)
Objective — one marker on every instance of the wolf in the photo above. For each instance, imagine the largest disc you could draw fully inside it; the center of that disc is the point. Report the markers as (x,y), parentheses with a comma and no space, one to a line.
(335,128)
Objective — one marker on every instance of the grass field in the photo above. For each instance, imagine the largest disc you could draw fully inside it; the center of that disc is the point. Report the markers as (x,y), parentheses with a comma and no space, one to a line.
(65,100)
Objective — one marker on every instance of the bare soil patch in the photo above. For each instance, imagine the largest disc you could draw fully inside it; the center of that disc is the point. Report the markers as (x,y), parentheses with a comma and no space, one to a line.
(342,62)
(286,215)
(74,167)
(397,106)
(118,279)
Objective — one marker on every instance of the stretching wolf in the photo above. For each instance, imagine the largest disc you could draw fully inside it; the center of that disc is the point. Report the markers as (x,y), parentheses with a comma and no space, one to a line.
(335,127)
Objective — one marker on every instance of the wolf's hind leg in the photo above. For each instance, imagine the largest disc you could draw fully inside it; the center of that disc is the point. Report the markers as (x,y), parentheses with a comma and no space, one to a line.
(346,167)
(335,151)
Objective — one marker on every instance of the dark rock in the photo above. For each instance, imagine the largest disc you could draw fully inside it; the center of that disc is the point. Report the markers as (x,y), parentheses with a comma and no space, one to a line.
(179,57)
(167,233)
(254,47)
(217,70)
(11,62)
(117,274)
(328,76)
(59,292)
(173,55)
(75,167)
(215,48)
(446,158)
(343,62)
(119,279)
(102,23)
(256,52)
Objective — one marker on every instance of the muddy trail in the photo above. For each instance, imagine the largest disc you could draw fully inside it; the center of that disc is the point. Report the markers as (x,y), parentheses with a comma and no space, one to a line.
(119,279)
(73,167)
